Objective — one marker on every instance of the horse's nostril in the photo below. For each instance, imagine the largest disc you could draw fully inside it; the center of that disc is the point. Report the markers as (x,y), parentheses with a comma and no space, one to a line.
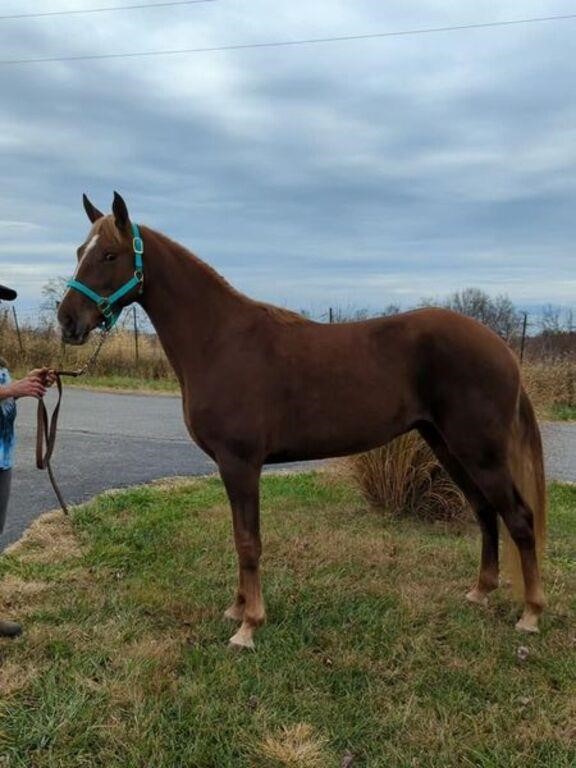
(67,323)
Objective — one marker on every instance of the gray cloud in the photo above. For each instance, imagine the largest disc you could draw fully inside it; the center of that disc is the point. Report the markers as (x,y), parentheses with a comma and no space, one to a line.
(362,173)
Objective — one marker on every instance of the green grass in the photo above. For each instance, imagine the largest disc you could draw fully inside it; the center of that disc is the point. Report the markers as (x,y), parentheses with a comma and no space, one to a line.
(117,382)
(563,413)
(369,648)
(127,384)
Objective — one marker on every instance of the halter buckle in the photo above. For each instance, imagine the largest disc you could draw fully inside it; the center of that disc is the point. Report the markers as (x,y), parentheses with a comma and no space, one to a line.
(138,245)
(139,275)
(105,308)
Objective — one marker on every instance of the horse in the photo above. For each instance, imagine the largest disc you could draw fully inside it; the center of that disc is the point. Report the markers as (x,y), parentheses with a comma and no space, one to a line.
(262,384)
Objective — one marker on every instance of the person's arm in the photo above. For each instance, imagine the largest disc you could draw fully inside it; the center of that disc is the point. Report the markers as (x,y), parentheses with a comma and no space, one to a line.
(31,386)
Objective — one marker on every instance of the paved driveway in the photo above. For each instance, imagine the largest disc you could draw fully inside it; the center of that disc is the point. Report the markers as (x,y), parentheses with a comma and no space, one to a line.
(111,441)
(560,450)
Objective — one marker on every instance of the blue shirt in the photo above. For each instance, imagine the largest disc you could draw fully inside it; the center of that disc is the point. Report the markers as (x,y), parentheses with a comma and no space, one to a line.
(7,418)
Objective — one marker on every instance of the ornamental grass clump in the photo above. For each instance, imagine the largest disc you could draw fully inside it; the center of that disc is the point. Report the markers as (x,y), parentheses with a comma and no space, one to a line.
(405,479)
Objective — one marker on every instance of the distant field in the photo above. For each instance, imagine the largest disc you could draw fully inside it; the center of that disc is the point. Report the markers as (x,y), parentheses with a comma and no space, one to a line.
(371,654)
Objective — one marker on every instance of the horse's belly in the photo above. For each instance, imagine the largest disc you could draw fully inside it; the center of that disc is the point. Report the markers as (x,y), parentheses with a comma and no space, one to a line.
(331,432)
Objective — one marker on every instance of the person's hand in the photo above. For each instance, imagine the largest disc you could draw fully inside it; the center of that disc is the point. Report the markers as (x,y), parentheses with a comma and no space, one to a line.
(31,386)
(44,375)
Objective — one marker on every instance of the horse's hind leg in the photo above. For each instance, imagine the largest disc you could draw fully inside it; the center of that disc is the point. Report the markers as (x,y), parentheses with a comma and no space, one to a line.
(519,520)
(488,576)
(485,461)
(485,513)
(242,485)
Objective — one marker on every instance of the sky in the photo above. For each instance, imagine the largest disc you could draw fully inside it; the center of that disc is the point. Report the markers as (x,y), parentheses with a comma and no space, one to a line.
(352,174)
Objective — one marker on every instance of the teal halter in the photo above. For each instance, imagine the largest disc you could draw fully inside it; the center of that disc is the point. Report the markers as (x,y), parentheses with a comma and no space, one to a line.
(106,303)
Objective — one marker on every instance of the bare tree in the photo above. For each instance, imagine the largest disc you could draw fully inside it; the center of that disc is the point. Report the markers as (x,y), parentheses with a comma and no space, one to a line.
(498,313)
(52,293)
(550,322)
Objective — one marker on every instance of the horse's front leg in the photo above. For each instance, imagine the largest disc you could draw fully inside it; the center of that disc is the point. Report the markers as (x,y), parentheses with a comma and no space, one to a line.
(242,485)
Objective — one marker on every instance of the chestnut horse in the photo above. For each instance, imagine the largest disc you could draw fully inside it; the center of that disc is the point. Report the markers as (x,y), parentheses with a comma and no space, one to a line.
(262,384)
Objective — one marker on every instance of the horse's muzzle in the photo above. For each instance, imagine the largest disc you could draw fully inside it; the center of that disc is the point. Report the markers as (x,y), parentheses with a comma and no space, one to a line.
(73,333)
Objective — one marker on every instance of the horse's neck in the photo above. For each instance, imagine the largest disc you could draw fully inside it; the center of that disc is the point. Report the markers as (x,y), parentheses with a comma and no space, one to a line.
(190,306)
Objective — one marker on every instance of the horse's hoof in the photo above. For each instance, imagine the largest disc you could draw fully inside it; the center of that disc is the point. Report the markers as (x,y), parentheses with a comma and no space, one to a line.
(234,613)
(242,640)
(528,624)
(477,597)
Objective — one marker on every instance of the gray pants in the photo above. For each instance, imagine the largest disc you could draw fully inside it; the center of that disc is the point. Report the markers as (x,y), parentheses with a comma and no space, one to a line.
(5,483)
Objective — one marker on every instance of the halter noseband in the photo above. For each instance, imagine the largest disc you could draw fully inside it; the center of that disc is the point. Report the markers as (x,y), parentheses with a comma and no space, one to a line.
(106,303)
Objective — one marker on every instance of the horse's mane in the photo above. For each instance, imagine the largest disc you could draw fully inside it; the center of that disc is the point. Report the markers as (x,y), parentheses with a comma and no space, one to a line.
(278,313)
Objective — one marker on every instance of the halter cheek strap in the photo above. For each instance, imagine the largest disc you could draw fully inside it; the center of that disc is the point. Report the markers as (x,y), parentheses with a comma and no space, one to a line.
(106,304)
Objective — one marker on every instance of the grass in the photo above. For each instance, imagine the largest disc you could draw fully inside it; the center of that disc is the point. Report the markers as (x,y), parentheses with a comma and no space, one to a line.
(126,384)
(563,413)
(370,653)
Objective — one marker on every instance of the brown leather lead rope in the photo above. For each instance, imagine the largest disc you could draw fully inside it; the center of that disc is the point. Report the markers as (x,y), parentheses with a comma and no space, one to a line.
(47,427)
(46,431)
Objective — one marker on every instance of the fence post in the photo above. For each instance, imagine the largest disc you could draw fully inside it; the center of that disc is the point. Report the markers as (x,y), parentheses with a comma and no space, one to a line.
(330,315)
(523,340)
(18,334)
(136,350)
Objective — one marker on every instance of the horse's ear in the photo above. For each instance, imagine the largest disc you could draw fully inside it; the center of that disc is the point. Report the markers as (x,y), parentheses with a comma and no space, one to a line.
(120,211)
(91,211)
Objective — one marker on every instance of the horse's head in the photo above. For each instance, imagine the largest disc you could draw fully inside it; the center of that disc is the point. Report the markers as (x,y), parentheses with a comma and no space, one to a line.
(105,263)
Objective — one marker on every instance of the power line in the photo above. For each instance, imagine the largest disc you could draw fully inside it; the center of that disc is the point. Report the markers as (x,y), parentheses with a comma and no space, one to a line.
(109,9)
(286,43)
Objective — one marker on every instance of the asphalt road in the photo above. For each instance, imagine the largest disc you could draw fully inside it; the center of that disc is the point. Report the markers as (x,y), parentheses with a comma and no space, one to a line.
(112,441)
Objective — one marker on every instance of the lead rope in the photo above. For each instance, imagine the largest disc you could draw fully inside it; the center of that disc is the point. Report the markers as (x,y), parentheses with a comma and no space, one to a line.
(47,426)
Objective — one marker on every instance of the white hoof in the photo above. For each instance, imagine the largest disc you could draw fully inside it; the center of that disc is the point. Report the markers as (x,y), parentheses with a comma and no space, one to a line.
(528,624)
(242,639)
(477,597)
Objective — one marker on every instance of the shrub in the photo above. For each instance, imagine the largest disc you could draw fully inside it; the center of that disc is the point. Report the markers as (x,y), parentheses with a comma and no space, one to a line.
(405,478)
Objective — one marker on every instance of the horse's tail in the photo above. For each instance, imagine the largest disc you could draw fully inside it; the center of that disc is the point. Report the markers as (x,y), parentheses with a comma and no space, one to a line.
(526,461)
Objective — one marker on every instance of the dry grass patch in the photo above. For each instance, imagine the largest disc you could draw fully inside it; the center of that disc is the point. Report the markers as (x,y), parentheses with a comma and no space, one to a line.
(405,478)
(163,649)
(550,384)
(15,677)
(296,746)
(14,590)
(50,538)
(310,550)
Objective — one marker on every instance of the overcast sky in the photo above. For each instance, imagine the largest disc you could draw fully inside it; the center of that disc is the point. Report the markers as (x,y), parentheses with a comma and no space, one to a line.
(354,174)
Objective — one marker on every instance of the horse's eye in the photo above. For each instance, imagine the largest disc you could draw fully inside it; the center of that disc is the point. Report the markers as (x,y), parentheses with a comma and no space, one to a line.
(109,257)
